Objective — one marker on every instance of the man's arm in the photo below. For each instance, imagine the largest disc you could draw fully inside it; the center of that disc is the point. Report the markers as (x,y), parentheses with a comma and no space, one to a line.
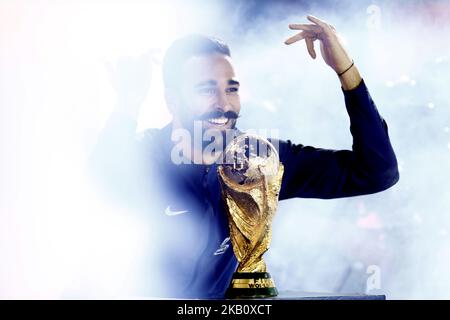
(115,163)
(370,166)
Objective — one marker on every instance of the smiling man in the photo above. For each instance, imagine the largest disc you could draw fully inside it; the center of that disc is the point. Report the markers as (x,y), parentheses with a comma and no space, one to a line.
(202,93)
(206,87)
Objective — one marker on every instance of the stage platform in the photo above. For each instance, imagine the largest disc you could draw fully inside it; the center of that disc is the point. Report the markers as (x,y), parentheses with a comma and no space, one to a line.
(298,295)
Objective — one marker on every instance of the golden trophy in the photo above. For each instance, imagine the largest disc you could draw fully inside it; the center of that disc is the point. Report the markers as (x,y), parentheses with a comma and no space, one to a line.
(250,179)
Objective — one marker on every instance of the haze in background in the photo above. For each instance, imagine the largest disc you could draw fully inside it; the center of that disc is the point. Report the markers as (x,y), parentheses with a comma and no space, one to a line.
(58,241)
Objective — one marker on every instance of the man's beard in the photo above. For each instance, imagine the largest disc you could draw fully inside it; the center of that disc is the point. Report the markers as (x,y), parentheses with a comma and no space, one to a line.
(219,137)
(188,121)
(231,115)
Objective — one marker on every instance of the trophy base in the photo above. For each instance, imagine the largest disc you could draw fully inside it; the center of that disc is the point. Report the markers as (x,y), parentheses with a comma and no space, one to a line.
(246,285)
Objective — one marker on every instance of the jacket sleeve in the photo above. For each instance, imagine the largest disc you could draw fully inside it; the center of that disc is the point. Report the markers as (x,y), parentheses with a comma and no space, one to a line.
(114,162)
(371,165)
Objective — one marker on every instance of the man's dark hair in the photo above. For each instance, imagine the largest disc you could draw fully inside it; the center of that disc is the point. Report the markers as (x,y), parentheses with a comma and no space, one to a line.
(184,48)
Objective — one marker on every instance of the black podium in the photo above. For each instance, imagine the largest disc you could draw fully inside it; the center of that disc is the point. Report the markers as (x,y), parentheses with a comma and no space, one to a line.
(298,295)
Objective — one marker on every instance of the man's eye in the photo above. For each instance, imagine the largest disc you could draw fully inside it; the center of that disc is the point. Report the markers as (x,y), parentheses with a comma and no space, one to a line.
(233,89)
(207,91)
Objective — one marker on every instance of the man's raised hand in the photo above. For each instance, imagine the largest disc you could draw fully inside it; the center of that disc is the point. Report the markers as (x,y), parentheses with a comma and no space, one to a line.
(331,48)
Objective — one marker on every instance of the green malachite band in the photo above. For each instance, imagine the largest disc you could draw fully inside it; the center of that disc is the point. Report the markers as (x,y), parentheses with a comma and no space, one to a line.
(251,293)
(251,275)
(251,285)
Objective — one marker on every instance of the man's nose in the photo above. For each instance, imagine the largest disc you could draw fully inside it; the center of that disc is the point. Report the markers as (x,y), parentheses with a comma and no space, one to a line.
(222,101)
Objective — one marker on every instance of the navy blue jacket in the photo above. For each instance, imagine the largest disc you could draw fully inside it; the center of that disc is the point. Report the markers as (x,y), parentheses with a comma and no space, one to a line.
(196,257)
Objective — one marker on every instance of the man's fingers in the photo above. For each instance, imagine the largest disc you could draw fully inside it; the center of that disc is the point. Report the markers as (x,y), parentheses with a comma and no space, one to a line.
(317,21)
(309,37)
(310,46)
(307,27)
(297,37)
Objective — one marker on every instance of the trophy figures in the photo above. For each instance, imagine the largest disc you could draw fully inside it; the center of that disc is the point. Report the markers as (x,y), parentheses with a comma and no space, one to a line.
(250,179)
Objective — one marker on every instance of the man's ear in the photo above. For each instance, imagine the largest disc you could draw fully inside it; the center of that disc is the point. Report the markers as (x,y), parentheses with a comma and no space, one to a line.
(172,100)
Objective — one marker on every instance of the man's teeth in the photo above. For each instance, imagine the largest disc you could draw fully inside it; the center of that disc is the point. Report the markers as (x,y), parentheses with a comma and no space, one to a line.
(219,121)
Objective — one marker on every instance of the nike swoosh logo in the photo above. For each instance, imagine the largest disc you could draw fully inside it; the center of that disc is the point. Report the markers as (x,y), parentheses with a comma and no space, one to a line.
(223,247)
(169,212)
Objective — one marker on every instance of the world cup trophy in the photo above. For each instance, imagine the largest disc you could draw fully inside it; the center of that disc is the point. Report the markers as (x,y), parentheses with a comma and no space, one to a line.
(250,179)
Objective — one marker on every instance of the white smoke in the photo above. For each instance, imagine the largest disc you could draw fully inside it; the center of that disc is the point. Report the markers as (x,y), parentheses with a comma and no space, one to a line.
(57,240)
